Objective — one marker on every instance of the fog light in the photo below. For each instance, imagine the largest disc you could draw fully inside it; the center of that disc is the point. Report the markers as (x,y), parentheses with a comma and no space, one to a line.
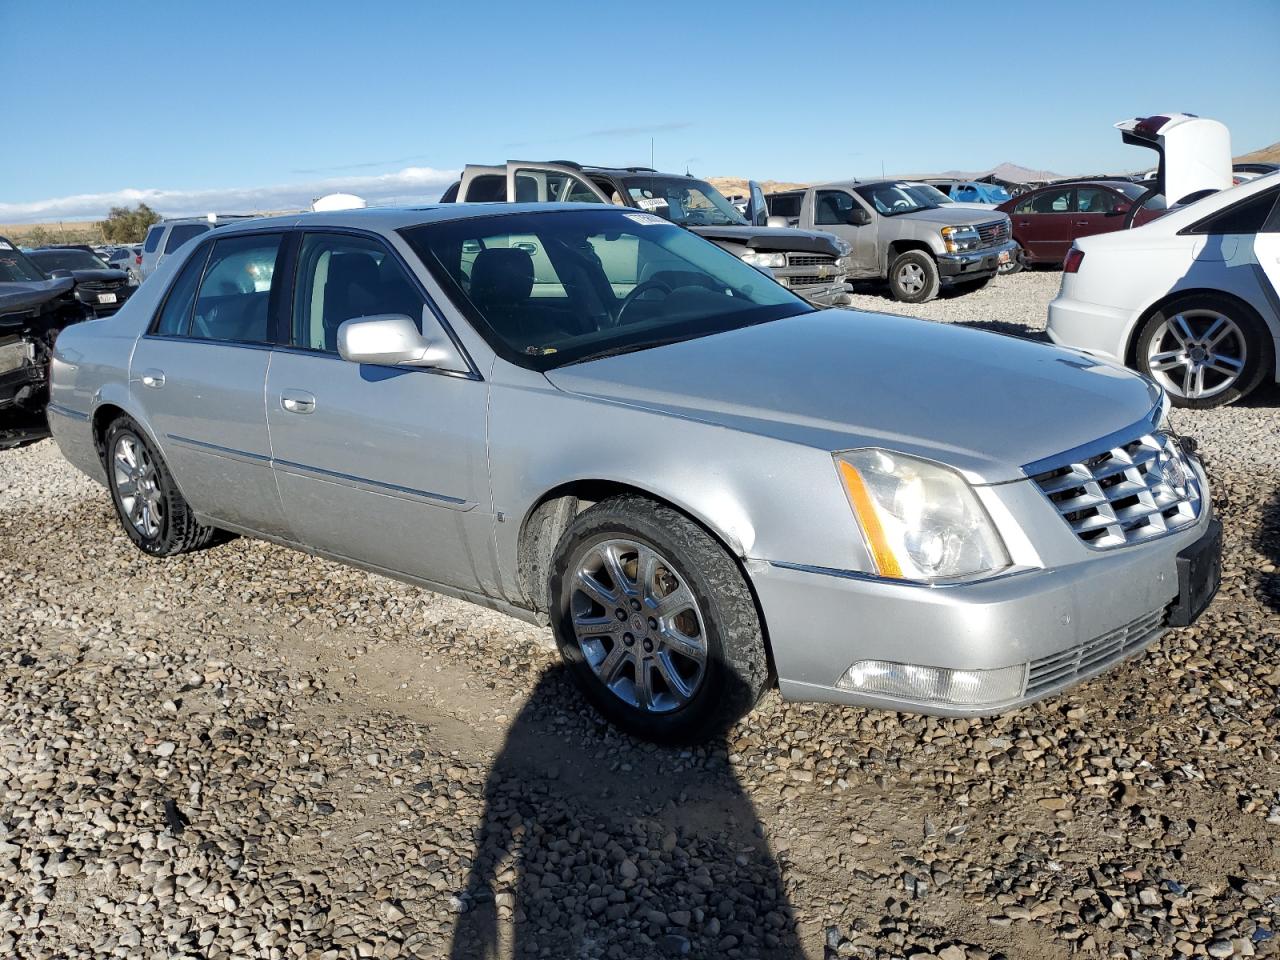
(942,685)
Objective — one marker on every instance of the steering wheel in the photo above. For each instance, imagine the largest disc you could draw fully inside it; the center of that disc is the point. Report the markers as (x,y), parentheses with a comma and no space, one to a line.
(642,287)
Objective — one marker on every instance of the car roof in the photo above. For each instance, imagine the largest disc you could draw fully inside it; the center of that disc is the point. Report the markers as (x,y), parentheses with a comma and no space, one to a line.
(388,219)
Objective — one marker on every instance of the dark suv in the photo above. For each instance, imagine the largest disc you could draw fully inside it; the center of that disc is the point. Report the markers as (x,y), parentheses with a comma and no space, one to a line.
(101,289)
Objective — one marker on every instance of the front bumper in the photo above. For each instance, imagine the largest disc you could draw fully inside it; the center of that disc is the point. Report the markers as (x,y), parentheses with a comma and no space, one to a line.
(92,300)
(1091,327)
(829,293)
(973,264)
(1062,624)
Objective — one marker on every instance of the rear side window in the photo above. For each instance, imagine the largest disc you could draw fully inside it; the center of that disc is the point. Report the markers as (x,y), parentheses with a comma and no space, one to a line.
(175,315)
(153,239)
(234,303)
(1247,216)
(784,206)
(487,188)
(181,233)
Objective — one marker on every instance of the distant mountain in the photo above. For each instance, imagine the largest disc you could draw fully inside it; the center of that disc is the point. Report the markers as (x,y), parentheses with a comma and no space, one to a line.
(1269,154)
(1011,172)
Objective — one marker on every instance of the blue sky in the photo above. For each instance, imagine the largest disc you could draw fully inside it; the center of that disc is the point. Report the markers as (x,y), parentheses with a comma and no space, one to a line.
(243,104)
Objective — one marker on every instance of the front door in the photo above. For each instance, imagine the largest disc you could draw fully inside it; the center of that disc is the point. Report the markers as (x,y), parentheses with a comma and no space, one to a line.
(384,466)
(198,375)
(1098,210)
(831,212)
(550,183)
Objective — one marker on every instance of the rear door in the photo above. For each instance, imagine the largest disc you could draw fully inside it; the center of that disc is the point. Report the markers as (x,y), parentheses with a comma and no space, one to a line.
(1042,223)
(198,375)
(550,183)
(1267,248)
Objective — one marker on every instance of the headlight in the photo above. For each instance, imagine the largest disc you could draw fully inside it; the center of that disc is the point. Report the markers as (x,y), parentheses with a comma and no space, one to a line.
(959,239)
(920,520)
(844,246)
(842,263)
(765,259)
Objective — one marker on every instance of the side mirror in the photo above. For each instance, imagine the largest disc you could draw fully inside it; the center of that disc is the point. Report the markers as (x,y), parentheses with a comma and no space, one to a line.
(777,222)
(1120,209)
(858,217)
(389,339)
(59,274)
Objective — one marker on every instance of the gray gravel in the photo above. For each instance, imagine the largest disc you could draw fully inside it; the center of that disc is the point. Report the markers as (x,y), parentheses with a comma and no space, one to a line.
(246,752)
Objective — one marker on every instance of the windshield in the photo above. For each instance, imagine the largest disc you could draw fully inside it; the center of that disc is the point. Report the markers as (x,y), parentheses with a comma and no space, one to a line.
(67,260)
(930,194)
(692,203)
(15,267)
(547,289)
(894,199)
(1156,201)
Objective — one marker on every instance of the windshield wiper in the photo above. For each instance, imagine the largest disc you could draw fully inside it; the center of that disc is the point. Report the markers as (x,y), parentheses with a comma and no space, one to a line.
(641,345)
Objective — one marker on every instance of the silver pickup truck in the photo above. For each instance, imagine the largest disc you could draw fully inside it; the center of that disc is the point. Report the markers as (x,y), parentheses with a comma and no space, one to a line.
(812,264)
(899,234)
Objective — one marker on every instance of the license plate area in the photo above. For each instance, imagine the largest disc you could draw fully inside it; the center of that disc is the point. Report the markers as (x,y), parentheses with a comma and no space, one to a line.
(106,298)
(1199,574)
(1003,258)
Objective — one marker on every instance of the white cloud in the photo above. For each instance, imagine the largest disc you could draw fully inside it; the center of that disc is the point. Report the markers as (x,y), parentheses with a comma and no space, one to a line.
(410,185)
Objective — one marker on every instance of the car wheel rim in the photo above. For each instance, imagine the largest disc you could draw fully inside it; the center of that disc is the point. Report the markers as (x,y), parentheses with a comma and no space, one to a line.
(911,278)
(137,485)
(638,625)
(1197,354)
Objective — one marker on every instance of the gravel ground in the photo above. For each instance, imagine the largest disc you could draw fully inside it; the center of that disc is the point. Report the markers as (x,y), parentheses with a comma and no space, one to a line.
(247,752)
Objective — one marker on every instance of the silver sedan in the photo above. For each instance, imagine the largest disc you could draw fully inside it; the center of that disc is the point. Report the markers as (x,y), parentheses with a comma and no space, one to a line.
(593,418)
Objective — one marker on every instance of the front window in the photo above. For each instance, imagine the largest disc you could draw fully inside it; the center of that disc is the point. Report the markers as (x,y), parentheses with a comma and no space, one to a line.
(548,289)
(15,267)
(893,199)
(66,260)
(692,203)
(930,194)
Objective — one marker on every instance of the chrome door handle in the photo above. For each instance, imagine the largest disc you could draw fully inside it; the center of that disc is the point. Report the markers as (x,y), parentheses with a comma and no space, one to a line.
(297,401)
(153,378)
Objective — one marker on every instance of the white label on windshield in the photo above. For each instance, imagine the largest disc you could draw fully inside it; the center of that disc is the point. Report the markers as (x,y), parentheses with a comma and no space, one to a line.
(651,203)
(646,219)
(5,245)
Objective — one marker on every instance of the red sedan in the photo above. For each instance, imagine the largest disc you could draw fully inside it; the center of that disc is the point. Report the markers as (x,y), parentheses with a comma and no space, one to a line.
(1047,220)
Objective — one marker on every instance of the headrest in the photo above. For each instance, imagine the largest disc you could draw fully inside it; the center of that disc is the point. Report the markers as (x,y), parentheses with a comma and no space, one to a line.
(502,275)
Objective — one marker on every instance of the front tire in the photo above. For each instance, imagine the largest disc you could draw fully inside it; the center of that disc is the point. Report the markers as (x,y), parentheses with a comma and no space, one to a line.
(151,509)
(913,277)
(1205,350)
(656,622)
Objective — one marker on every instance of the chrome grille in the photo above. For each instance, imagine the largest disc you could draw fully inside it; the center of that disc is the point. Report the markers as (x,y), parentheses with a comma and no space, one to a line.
(1059,669)
(809,279)
(1130,493)
(994,233)
(809,259)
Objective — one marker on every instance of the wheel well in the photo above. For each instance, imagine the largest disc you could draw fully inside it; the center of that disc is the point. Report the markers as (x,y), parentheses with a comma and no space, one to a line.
(1131,347)
(548,519)
(102,418)
(902,246)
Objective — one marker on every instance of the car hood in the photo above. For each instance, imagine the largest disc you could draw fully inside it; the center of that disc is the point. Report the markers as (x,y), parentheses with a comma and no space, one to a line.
(21,296)
(774,238)
(950,214)
(983,403)
(107,276)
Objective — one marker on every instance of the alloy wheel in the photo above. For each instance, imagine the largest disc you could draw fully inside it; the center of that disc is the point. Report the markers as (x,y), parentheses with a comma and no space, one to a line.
(1197,354)
(137,485)
(638,625)
(911,278)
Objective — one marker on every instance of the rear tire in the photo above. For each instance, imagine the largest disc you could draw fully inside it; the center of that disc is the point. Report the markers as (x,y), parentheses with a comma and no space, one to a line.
(656,622)
(151,509)
(1205,350)
(913,277)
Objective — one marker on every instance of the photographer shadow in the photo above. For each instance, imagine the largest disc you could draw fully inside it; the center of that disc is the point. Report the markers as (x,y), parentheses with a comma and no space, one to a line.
(594,844)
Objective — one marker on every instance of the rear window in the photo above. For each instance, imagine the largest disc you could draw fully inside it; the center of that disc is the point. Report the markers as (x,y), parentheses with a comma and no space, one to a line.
(1246,217)
(181,233)
(153,239)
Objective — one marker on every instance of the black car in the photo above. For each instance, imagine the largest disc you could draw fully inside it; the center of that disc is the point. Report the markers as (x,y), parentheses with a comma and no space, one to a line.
(101,289)
(33,309)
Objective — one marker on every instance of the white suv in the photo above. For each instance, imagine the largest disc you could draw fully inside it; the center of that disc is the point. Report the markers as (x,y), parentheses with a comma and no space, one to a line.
(165,237)
(1192,299)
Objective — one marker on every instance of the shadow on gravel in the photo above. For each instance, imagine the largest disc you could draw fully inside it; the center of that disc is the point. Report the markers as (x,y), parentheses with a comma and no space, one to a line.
(615,848)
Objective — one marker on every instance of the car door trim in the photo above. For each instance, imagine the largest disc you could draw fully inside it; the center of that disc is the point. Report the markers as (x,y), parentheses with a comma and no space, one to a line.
(373,486)
(396,490)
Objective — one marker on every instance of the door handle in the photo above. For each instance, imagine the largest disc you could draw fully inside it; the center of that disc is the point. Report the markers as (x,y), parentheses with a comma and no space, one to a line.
(1082,223)
(153,378)
(297,401)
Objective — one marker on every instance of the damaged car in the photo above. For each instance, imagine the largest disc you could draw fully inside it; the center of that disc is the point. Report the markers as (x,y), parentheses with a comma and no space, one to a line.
(33,309)
(102,289)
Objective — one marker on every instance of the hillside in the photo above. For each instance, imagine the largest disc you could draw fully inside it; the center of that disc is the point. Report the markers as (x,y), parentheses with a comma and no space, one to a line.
(1269,154)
